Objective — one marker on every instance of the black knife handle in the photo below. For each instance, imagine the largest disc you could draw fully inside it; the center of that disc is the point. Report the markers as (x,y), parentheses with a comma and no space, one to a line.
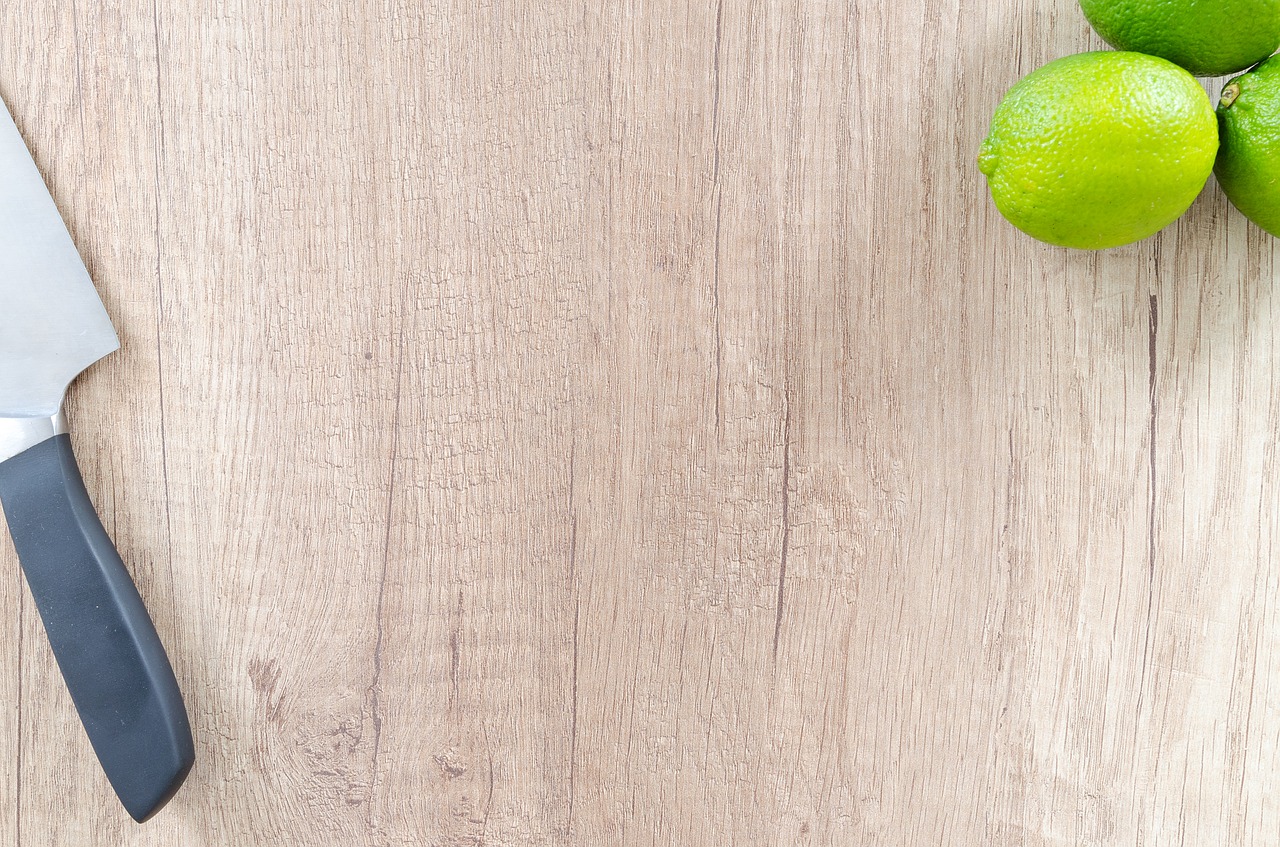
(106,646)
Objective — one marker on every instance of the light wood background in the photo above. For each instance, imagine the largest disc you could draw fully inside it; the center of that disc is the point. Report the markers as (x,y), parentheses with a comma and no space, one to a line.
(629,423)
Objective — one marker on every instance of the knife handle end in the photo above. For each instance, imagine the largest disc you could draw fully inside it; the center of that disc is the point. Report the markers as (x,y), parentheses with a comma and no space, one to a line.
(104,641)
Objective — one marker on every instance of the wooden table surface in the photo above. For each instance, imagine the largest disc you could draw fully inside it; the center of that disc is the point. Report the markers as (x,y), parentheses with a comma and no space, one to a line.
(630,423)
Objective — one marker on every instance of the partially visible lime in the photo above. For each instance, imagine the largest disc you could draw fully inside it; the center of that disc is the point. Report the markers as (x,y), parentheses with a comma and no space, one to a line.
(1249,165)
(1207,37)
(1099,149)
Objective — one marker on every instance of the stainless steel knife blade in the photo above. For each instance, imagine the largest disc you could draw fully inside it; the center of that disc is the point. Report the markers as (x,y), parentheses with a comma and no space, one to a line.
(52,322)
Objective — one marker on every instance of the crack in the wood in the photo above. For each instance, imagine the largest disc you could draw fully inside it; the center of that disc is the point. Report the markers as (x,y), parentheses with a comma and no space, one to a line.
(455,653)
(718,192)
(573,588)
(1153,324)
(786,522)
(573,727)
(159,161)
(75,36)
(488,800)
(375,684)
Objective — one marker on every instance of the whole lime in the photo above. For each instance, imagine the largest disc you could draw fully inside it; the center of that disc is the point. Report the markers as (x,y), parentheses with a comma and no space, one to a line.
(1098,150)
(1249,164)
(1207,37)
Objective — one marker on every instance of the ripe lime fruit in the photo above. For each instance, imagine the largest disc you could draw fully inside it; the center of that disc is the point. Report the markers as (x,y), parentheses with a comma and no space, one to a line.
(1207,37)
(1249,165)
(1099,149)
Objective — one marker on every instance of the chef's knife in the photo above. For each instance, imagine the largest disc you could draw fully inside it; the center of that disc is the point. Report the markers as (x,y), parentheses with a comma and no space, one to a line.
(52,327)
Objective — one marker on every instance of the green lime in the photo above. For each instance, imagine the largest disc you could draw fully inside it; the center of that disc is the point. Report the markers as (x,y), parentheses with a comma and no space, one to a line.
(1099,149)
(1207,37)
(1249,165)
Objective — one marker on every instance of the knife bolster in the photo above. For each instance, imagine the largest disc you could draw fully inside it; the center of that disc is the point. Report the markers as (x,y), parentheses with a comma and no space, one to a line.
(17,435)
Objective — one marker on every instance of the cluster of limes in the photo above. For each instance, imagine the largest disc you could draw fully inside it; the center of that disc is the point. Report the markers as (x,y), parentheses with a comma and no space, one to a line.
(1102,149)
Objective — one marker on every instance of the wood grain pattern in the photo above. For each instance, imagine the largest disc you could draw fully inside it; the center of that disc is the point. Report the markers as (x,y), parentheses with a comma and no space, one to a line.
(630,423)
